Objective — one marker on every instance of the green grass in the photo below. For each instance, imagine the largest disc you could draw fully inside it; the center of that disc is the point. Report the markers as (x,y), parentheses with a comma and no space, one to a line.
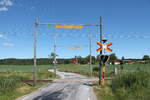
(109,67)
(132,85)
(20,90)
(69,67)
(104,93)
(10,75)
(11,86)
(131,67)
(80,69)
(126,86)
(72,67)
(22,68)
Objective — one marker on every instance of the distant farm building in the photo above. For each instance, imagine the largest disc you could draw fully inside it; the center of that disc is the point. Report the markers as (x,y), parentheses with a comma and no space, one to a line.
(118,62)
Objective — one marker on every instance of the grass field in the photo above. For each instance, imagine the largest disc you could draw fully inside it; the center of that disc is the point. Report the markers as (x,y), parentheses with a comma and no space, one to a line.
(69,67)
(81,69)
(11,86)
(131,67)
(22,68)
(109,67)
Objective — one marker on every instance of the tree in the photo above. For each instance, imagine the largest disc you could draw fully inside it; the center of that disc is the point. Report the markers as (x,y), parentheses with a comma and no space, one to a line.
(146,57)
(122,62)
(93,59)
(113,57)
(79,59)
(67,61)
(52,55)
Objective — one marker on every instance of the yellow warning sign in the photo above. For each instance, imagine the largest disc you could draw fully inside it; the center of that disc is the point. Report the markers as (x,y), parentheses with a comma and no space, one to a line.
(69,26)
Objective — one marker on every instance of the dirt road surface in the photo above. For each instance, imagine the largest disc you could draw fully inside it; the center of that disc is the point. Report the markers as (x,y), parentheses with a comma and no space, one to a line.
(70,87)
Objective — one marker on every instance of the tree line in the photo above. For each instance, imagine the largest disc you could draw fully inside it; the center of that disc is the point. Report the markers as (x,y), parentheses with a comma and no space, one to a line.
(46,61)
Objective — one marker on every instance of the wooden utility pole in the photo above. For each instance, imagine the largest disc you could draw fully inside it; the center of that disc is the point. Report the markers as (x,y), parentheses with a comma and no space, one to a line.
(101,52)
(90,49)
(55,61)
(35,46)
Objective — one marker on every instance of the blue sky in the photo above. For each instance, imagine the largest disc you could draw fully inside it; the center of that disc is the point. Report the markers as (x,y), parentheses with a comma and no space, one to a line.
(126,24)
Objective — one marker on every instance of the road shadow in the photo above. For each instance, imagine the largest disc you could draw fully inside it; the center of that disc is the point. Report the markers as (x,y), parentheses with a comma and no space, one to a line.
(50,96)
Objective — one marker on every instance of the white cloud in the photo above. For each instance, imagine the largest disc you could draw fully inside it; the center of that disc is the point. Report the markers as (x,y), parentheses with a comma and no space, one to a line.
(76,48)
(4,9)
(1,35)
(7,44)
(6,3)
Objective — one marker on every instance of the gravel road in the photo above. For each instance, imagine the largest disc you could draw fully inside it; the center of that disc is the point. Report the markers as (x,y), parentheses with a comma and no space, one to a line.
(70,87)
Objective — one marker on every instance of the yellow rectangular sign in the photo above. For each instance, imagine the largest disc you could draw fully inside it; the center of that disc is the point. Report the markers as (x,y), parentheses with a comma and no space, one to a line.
(69,26)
